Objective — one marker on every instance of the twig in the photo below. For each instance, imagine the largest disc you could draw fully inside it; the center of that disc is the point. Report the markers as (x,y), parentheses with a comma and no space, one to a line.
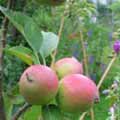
(82,116)
(21,111)
(70,2)
(92,114)
(85,63)
(59,36)
(2,46)
(106,71)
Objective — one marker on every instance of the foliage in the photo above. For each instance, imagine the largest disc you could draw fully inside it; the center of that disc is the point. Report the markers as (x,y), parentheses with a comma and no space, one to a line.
(37,27)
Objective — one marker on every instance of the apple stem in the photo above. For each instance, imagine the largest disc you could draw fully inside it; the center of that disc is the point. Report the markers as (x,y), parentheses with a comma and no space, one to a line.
(106,71)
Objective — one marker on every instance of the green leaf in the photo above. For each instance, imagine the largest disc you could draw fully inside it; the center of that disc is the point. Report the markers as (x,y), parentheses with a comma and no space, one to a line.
(51,112)
(23,53)
(18,19)
(33,113)
(50,43)
(115,6)
(33,34)
(26,26)
(8,106)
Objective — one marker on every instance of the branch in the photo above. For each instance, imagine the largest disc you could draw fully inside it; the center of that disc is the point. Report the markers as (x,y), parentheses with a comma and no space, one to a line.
(59,36)
(21,111)
(61,30)
(85,61)
(106,71)
(2,46)
(82,116)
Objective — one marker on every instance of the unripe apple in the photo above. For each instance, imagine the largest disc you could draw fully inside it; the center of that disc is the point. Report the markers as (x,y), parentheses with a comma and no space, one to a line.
(38,84)
(77,93)
(50,2)
(66,66)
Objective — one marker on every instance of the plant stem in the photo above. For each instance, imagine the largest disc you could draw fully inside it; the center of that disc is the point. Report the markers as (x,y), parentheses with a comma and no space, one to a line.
(82,116)
(92,114)
(21,111)
(60,30)
(59,36)
(106,71)
(85,64)
(2,46)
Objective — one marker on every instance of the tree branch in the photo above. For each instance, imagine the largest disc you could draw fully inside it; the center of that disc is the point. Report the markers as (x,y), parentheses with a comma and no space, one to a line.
(2,46)
(21,111)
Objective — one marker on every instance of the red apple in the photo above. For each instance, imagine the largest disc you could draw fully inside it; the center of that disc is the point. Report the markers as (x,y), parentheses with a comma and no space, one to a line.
(77,93)
(38,84)
(69,65)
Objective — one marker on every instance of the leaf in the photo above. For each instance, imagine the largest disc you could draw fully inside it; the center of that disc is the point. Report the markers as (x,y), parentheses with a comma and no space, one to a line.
(25,54)
(33,113)
(33,34)
(26,26)
(50,43)
(8,106)
(115,6)
(51,112)
(18,19)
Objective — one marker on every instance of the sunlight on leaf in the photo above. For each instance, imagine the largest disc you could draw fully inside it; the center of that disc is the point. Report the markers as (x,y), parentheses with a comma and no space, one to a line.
(50,43)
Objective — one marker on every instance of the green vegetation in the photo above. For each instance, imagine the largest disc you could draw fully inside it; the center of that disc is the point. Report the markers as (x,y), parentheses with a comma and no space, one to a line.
(42,32)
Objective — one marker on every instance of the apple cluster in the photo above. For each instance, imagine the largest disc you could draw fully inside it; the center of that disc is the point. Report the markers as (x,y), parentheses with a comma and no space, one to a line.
(74,92)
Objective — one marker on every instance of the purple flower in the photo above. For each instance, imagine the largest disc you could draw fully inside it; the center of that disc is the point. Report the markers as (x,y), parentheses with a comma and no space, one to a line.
(116,46)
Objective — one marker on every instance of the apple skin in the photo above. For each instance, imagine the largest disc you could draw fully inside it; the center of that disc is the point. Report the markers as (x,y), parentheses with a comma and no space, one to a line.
(68,65)
(38,84)
(50,2)
(77,93)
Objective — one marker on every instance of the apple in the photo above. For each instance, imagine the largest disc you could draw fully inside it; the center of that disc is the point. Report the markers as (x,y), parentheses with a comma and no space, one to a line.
(68,65)
(77,93)
(38,84)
